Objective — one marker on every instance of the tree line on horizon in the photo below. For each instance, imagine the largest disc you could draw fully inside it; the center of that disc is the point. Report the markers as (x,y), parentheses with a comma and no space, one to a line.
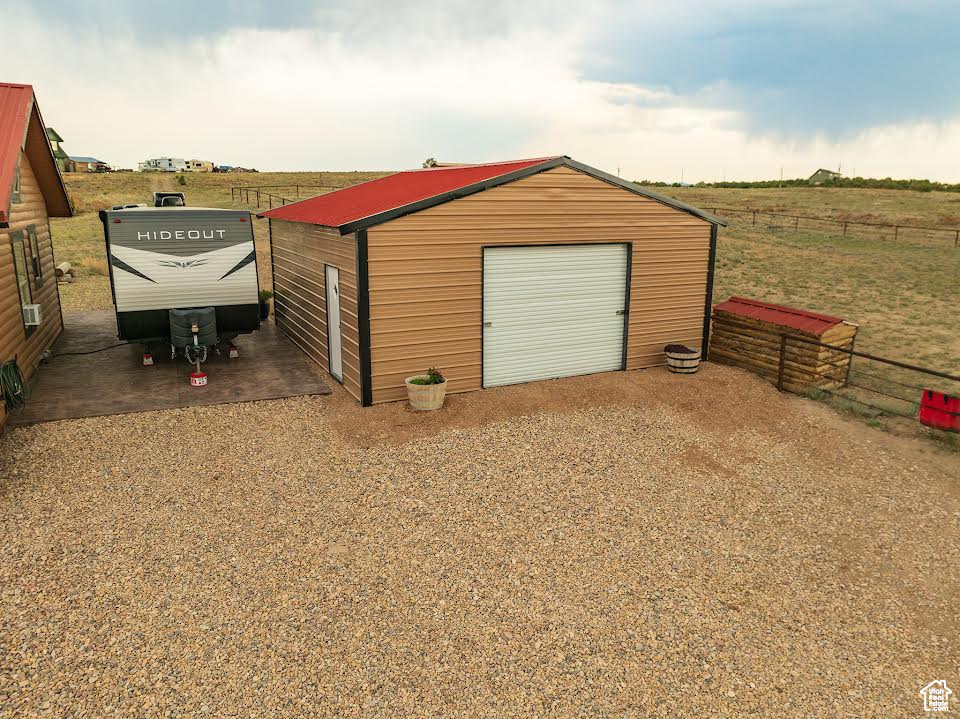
(886,183)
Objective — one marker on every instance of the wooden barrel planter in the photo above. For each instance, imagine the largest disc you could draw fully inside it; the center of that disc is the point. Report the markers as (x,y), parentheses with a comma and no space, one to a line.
(682,359)
(426,391)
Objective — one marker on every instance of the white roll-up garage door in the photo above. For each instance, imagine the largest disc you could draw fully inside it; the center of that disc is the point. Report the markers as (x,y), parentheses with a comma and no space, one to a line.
(552,311)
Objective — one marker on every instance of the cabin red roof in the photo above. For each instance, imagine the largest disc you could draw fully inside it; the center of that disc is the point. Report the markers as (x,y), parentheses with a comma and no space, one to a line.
(792,317)
(352,204)
(16,101)
(22,129)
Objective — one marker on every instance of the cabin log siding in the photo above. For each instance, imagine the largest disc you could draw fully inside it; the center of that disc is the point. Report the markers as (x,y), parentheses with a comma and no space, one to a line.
(425,272)
(14,341)
(300,252)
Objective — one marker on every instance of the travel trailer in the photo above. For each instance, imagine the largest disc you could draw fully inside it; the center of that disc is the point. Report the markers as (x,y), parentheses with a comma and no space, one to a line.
(175,258)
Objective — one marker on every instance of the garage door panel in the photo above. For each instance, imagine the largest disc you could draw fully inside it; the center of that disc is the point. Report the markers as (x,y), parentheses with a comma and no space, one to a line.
(552,311)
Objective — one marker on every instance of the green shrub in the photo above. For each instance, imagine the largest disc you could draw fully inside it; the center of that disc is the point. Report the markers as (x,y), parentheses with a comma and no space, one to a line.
(265,295)
(432,376)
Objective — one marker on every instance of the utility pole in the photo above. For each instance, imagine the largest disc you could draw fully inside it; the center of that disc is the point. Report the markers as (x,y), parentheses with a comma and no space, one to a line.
(781,177)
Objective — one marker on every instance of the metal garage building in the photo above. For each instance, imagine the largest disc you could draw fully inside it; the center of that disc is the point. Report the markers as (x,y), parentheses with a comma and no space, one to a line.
(496,274)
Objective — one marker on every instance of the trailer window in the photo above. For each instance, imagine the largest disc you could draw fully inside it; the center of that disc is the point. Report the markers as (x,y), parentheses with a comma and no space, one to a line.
(35,256)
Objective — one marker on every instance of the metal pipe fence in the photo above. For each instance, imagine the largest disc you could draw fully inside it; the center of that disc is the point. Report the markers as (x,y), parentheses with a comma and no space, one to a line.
(895,230)
(258,194)
(891,387)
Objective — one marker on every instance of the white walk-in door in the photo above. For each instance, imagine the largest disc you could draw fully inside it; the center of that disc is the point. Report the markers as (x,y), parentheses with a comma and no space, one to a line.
(552,311)
(333,322)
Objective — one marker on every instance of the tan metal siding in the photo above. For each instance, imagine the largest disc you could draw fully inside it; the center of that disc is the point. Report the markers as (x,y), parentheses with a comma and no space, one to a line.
(13,340)
(425,272)
(300,252)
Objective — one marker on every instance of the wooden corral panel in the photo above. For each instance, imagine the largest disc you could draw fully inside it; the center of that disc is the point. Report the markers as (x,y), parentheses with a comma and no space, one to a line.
(300,252)
(425,272)
(16,341)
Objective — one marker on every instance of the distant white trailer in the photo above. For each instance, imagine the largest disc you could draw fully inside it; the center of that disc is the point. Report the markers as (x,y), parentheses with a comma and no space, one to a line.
(166,258)
(164,164)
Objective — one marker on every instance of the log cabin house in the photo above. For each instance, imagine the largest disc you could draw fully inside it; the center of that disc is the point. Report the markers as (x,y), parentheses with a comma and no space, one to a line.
(31,191)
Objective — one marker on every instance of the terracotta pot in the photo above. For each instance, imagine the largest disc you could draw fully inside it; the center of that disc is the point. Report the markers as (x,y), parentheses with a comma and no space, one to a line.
(424,397)
(683,362)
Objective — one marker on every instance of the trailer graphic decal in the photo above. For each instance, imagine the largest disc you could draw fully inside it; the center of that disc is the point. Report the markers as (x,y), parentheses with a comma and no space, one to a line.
(242,263)
(121,265)
(182,264)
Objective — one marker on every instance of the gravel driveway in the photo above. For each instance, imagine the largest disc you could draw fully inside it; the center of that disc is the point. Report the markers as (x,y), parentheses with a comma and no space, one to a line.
(674,546)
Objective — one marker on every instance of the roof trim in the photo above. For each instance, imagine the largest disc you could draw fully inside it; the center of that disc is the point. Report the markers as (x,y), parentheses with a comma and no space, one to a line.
(61,185)
(548,164)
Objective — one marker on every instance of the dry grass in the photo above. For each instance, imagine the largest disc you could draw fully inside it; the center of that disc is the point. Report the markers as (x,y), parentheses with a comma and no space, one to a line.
(96,266)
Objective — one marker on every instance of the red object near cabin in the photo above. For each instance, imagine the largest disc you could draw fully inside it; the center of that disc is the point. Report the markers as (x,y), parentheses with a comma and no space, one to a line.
(939,410)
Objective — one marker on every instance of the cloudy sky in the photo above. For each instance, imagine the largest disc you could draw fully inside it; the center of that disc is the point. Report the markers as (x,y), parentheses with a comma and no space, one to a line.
(704,90)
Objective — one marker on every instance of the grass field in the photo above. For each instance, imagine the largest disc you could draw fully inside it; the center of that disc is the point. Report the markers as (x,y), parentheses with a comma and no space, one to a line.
(902,293)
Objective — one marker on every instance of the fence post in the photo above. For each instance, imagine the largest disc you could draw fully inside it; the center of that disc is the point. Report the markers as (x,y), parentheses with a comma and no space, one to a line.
(853,346)
(796,223)
(956,239)
(783,361)
(896,231)
(754,218)
(298,190)
(270,198)
(844,229)
(233,194)
(258,198)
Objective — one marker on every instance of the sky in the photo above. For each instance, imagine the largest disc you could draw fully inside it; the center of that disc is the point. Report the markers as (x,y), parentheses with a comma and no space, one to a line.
(683,90)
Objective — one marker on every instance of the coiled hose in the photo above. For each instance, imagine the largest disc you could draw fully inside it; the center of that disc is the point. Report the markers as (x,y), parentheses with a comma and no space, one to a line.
(16,392)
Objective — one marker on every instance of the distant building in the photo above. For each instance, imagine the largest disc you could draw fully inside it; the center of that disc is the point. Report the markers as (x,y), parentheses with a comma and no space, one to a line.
(80,163)
(199,166)
(163,164)
(63,160)
(821,176)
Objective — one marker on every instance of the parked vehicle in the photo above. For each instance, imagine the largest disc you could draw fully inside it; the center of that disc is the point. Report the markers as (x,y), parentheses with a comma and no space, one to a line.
(172,258)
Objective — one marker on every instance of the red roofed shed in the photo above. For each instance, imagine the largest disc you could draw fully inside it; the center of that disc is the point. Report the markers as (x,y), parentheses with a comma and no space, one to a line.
(496,274)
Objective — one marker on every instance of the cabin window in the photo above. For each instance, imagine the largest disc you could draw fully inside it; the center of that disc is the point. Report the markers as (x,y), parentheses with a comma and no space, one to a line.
(20,269)
(16,185)
(35,256)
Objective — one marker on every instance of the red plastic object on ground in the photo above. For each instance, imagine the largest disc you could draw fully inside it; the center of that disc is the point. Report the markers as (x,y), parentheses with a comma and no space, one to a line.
(939,410)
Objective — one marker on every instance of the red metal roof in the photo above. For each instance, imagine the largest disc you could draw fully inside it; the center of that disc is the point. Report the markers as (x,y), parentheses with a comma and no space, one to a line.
(16,102)
(792,317)
(392,192)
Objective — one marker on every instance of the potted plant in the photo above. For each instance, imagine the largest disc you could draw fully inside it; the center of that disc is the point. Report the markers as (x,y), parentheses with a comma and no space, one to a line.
(682,359)
(265,296)
(427,391)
